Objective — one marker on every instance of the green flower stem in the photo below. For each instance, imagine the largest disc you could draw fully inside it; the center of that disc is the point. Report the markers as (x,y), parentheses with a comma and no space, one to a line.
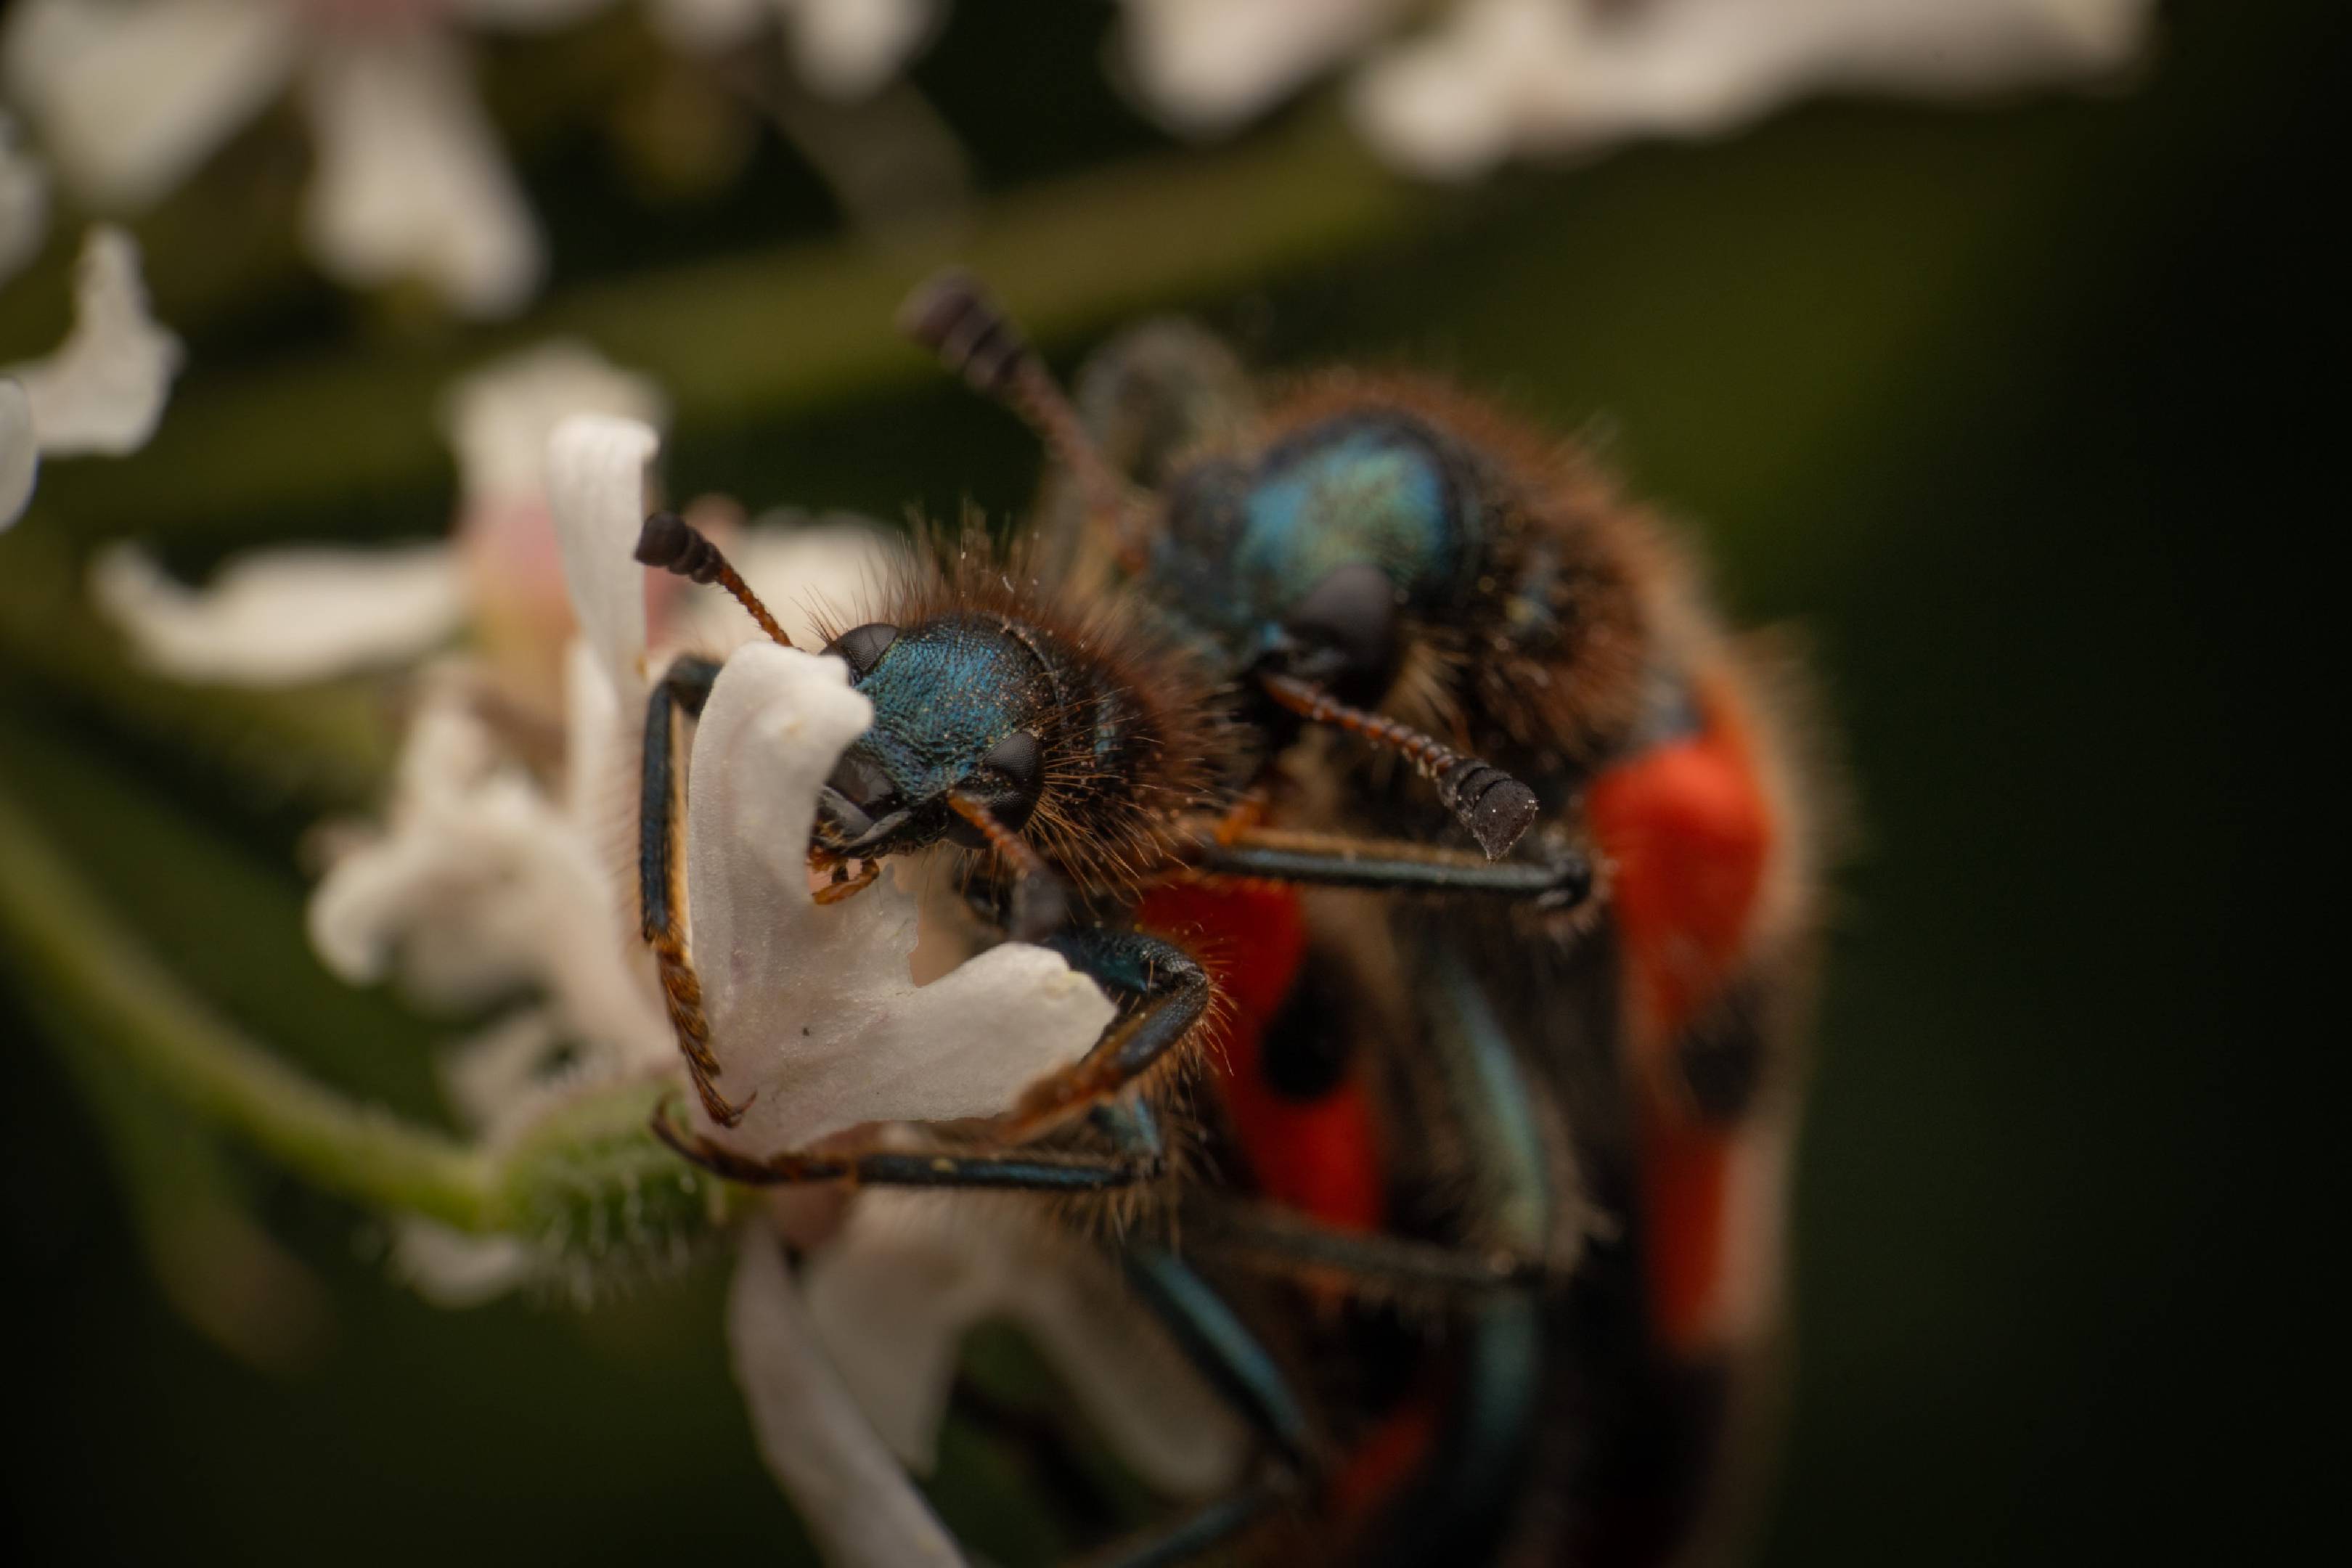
(60,940)
(753,337)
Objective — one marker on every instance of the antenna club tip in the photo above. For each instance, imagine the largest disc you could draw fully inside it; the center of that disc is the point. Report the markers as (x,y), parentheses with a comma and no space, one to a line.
(1496,808)
(664,539)
(934,306)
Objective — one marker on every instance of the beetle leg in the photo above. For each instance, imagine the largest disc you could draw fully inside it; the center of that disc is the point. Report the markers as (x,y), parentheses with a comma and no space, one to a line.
(1375,865)
(683,688)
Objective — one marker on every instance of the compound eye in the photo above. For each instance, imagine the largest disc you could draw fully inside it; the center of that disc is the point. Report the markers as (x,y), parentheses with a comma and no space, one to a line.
(1351,619)
(1020,761)
(862,647)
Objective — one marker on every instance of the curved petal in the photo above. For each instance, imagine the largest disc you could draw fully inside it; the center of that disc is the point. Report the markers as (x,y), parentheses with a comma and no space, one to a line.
(104,388)
(499,418)
(410,179)
(24,202)
(596,490)
(813,1007)
(20,451)
(910,1274)
(285,616)
(450,1268)
(130,99)
(849,1491)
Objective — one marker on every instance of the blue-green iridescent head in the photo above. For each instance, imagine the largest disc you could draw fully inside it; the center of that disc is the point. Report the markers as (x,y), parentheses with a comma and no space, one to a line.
(1306,556)
(961,707)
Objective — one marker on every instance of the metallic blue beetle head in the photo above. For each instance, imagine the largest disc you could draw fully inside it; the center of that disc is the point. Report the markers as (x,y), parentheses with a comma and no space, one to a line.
(959,706)
(1306,557)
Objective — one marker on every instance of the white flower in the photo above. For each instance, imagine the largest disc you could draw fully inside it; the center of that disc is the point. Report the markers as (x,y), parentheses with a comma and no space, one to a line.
(842,48)
(1209,65)
(130,96)
(103,390)
(1492,78)
(851,1493)
(894,1295)
(285,617)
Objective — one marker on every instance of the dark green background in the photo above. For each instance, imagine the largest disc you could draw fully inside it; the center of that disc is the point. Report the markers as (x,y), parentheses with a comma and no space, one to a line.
(2003,408)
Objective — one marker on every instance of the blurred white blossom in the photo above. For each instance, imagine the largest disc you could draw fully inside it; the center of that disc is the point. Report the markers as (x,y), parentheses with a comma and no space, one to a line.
(842,48)
(912,1273)
(131,96)
(288,616)
(1484,80)
(103,389)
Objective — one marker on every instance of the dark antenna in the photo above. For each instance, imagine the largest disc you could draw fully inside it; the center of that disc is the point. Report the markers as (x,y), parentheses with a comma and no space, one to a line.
(1495,807)
(1039,906)
(674,544)
(955,317)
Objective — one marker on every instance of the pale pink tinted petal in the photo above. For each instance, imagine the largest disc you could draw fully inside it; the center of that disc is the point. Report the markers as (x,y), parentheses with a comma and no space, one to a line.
(498,417)
(597,490)
(104,388)
(20,452)
(131,98)
(411,181)
(813,1007)
(910,1274)
(285,616)
(1206,65)
(847,1490)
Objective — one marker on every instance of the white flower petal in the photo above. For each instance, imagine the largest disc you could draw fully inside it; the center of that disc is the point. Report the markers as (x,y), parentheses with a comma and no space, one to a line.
(495,1079)
(499,418)
(24,202)
(103,390)
(596,489)
(851,48)
(1536,76)
(846,1486)
(285,616)
(1206,65)
(481,885)
(131,98)
(20,451)
(910,1274)
(411,180)
(450,1268)
(813,1007)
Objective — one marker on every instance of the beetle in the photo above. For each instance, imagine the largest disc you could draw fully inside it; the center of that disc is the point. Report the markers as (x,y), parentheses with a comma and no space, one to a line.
(1608,1093)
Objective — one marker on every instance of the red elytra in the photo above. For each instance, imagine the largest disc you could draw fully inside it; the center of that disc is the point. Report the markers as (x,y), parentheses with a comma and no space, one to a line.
(1318,1157)
(1687,829)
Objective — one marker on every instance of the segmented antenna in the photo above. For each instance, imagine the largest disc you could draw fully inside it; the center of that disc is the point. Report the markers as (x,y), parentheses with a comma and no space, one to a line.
(674,544)
(954,316)
(1495,807)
